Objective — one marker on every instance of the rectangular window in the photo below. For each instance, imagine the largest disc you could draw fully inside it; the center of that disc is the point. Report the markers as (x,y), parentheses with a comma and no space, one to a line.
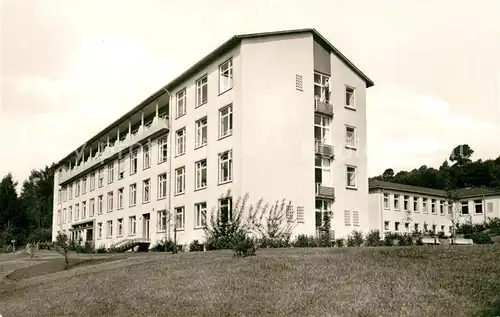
(386,225)
(322,207)
(180,180)
(225,167)
(386,201)
(120,198)
(415,204)
(84,210)
(133,162)
(321,129)
(109,232)
(133,195)
(406,203)
(146,157)
(350,137)
(131,225)
(226,76)
(161,224)
(201,174)
(322,171)
(120,227)
(92,181)
(201,91)
(91,207)
(111,172)
(146,191)
(433,206)
(424,204)
(355,218)
(396,226)
(347,218)
(416,227)
(110,201)
(396,202)
(70,216)
(226,209)
(226,121)
(121,168)
(441,208)
(181,103)
(162,150)
(162,186)
(84,185)
(77,191)
(179,218)
(77,211)
(349,97)
(99,230)
(351,176)
(101,178)
(180,143)
(465,207)
(201,132)
(70,191)
(322,87)
(478,206)
(200,215)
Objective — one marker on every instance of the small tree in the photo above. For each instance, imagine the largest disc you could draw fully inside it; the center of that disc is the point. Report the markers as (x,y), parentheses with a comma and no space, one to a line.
(325,238)
(62,246)
(454,212)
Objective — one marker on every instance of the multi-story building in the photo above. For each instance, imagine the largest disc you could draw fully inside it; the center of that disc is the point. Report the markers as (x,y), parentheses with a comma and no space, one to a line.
(279,115)
(404,208)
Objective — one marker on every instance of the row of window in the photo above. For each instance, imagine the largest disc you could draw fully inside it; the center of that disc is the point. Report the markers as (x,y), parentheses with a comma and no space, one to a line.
(322,173)
(201,96)
(416,202)
(322,134)
(416,227)
(322,90)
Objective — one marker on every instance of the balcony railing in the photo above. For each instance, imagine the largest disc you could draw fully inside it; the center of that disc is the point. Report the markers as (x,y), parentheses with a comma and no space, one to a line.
(323,107)
(325,191)
(144,132)
(323,149)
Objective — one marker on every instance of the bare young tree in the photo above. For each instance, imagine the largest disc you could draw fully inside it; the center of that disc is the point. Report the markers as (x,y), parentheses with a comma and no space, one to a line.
(454,211)
(62,245)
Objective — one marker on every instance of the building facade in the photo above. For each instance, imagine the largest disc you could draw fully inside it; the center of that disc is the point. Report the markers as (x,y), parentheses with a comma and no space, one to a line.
(279,115)
(402,208)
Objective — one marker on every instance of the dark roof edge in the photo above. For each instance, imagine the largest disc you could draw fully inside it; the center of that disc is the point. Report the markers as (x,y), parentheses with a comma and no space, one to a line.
(221,49)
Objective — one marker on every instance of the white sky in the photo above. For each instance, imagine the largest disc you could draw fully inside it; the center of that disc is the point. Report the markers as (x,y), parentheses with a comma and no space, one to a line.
(69,68)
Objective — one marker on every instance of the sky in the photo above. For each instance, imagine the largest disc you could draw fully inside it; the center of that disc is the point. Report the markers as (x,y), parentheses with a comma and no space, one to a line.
(70,68)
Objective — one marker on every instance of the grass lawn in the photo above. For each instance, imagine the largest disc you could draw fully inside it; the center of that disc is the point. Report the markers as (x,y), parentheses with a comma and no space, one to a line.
(414,281)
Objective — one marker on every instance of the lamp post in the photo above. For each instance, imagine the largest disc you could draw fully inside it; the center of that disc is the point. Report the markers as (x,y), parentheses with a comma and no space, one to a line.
(13,245)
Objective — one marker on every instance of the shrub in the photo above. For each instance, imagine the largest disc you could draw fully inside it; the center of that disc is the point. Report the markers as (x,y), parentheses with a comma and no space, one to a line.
(404,239)
(45,246)
(163,246)
(305,241)
(355,239)
(266,242)
(389,239)
(419,241)
(195,246)
(325,239)
(442,235)
(101,249)
(479,238)
(243,245)
(339,243)
(373,239)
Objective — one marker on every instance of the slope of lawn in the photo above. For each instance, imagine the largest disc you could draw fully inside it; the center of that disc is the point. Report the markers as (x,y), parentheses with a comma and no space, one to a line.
(413,281)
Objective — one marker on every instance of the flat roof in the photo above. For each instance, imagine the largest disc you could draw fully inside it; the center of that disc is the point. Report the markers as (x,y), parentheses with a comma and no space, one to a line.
(205,61)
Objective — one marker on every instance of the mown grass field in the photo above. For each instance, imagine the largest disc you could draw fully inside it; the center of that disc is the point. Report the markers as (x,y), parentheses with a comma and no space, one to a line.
(396,281)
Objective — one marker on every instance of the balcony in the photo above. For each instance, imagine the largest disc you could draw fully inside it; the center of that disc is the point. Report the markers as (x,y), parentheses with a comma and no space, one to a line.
(323,191)
(324,150)
(323,107)
(158,125)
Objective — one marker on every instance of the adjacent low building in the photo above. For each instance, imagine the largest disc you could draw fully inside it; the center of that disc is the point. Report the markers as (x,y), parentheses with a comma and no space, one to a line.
(403,208)
(278,115)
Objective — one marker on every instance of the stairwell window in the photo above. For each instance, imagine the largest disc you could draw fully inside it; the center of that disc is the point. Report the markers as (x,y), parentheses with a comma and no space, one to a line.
(91,207)
(201,91)
(322,87)
(120,198)
(133,195)
(99,230)
(162,150)
(120,227)
(200,215)
(225,167)
(478,206)
(322,129)
(131,225)
(161,224)
(162,186)
(350,97)
(181,103)
(101,178)
(351,177)
(133,162)
(226,121)
(99,205)
(179,218)
(111,172)
(146,191)
(226,76)
(322,170)
(322,206)
(180,180)
(109,232)
(350,137)
(110,201)
(180,143)
(386,201)
(146,157)
(201,132)
(201,174)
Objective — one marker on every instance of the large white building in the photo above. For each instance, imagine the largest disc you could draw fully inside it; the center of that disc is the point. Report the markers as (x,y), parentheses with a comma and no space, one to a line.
(275,115)
(400,208)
